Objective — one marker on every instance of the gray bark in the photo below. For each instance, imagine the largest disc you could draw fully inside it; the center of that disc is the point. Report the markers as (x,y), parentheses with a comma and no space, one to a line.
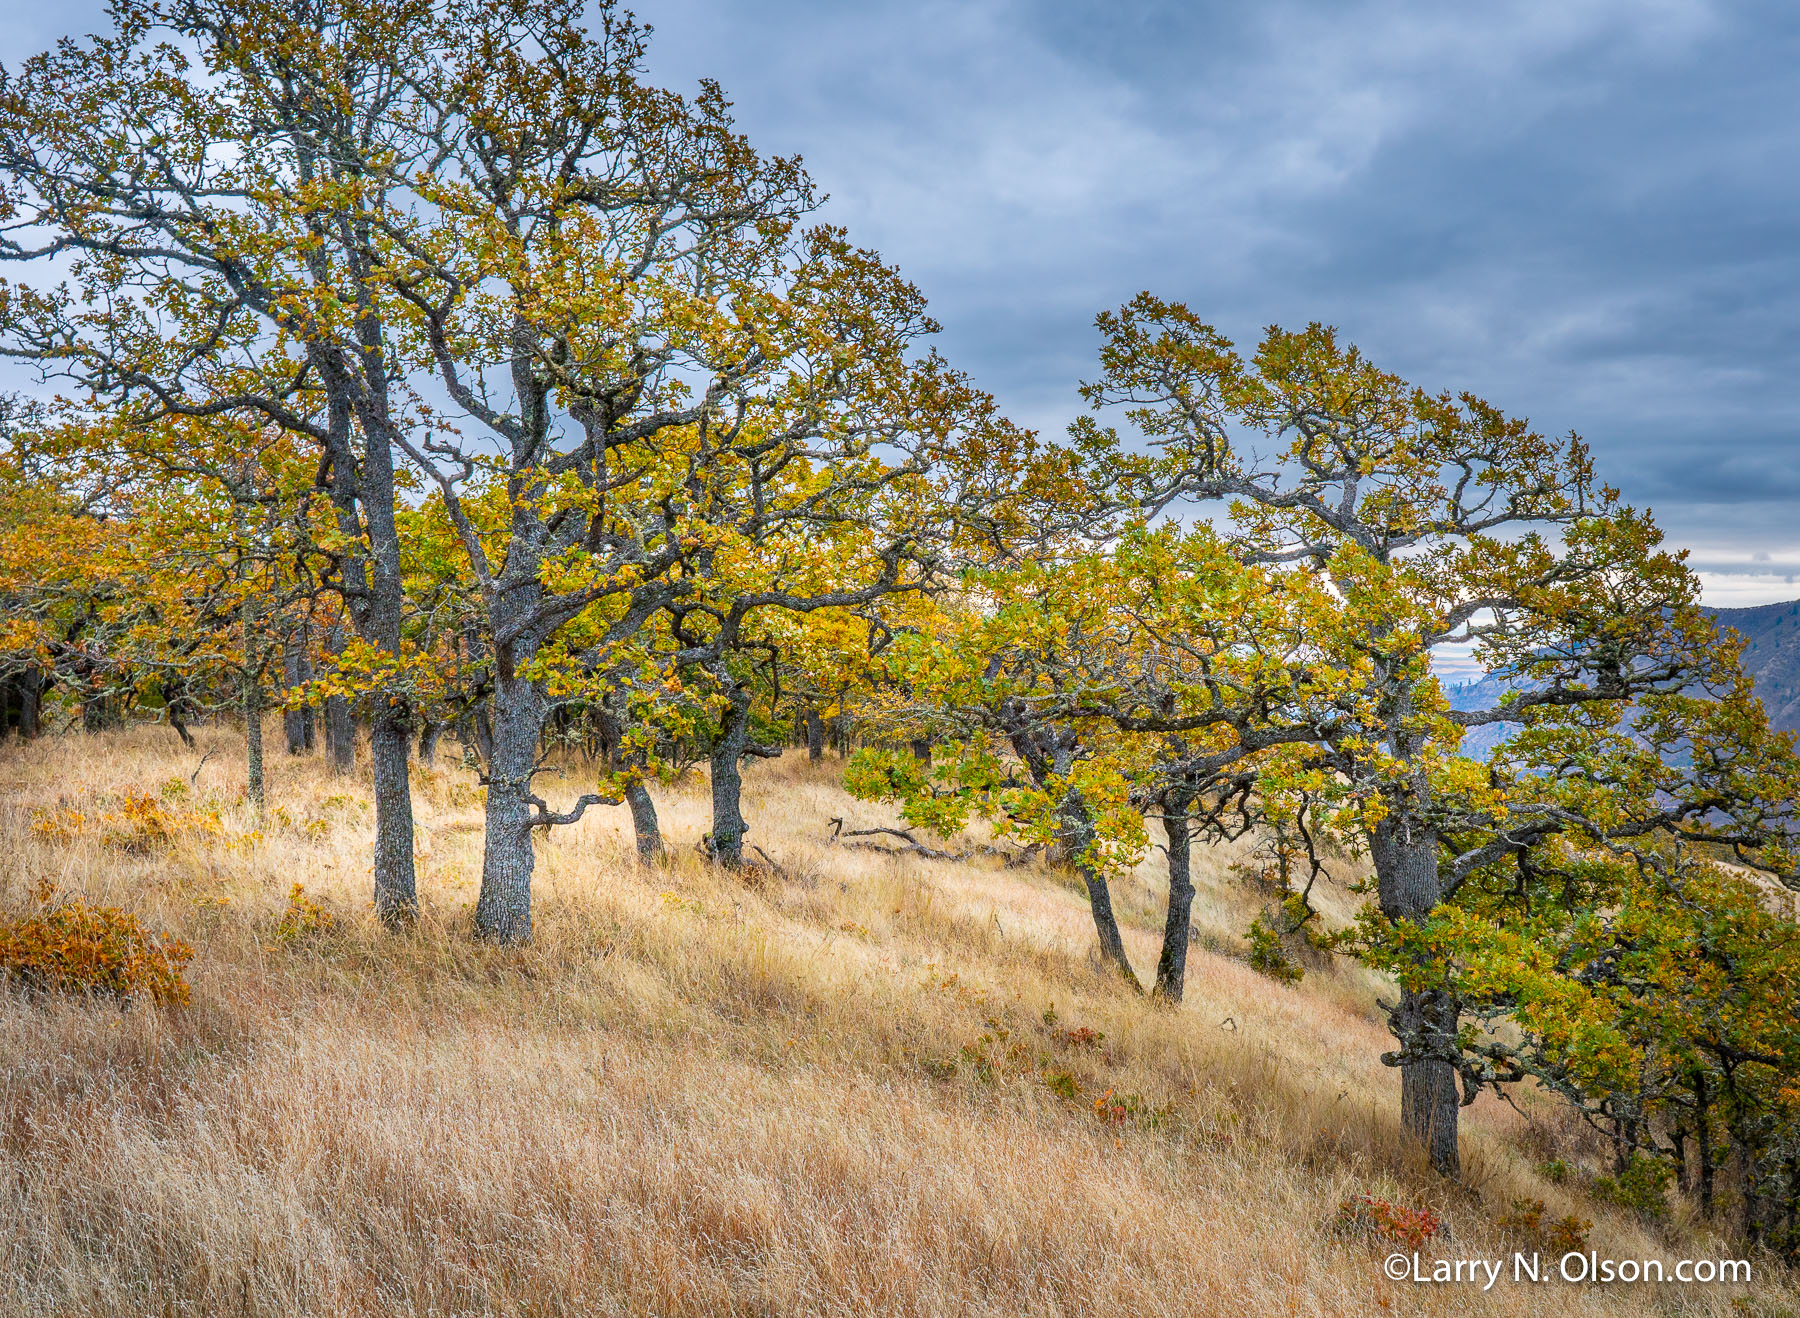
(396,888)
(396,896)
(296,720)
(1405,852)
(1171,966)
(1075,833)
(340,728)
(815,735)
(254,786)
(728,826)
(503,911)
(644,822)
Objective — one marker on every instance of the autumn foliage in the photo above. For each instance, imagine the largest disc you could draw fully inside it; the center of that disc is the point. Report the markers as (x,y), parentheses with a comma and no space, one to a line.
(71,947)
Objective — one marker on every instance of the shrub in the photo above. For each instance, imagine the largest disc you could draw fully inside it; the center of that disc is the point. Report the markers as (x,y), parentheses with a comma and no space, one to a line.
(76,948)
(1525,1217)
(1365,1215)
(144,824)
(141,824)
(1115,1109)
(1568,1235)
(1565,1235)
(1642,1186)
(304,918)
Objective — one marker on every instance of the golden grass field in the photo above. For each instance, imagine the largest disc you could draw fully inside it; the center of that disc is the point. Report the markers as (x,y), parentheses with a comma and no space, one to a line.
(690,1097)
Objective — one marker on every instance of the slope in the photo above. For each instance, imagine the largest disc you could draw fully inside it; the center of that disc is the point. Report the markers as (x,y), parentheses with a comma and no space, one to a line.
(871,1086)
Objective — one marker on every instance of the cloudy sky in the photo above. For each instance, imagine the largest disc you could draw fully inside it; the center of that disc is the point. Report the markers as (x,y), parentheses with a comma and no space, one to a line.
(1583,209)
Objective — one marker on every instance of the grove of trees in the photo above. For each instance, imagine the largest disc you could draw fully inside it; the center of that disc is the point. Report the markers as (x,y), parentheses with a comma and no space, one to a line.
(417,362)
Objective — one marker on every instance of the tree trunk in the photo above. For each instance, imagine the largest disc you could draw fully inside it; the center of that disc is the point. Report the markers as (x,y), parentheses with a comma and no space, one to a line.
(1171,967)
(503,912)
(428,740)
(728,826)
(612,714)
(921,749)
(20,696)
(100,711)
(1405,852)
(340,727)
(1703,1141)
(378,611)
(181,710)
(294,672)
(396,893)
(253,746)
(1075,833)
(815,735)
(643,821)
(1430,1105)
(340,734)
(31,701)
(484,732)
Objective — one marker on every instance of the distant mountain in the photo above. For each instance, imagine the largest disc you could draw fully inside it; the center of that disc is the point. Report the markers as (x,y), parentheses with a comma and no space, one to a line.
(1771,635)
(1480,693)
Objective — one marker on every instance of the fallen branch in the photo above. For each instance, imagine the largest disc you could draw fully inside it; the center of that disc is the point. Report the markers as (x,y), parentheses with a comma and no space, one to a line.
(779,870)
(913,846)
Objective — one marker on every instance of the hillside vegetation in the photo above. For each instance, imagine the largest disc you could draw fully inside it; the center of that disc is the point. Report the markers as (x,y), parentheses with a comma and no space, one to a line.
(867,1085)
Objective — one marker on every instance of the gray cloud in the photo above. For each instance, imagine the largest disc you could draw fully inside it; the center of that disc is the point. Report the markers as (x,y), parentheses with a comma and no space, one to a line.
(1585,211)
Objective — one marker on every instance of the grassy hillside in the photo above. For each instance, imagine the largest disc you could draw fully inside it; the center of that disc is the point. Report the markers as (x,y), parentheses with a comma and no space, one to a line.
(869,1087)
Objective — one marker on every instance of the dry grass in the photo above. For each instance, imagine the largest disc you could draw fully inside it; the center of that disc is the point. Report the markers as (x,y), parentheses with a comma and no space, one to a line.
(688,1097)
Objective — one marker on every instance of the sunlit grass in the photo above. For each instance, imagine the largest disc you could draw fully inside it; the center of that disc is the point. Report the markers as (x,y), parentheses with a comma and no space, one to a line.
(871,1088)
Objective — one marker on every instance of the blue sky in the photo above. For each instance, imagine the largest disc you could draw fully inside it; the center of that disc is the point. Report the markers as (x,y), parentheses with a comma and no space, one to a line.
(1585,210)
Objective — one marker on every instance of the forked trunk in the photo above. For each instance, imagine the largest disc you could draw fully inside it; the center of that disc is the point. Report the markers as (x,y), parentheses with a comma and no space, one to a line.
(503,911)
(1171,966)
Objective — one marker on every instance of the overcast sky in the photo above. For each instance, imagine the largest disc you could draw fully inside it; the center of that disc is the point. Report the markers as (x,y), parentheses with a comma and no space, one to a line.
(1585,210)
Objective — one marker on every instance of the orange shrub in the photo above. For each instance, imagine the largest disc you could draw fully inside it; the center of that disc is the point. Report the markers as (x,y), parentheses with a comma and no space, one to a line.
(76,948)
(303,919)
(1365,1215)
(142,824)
